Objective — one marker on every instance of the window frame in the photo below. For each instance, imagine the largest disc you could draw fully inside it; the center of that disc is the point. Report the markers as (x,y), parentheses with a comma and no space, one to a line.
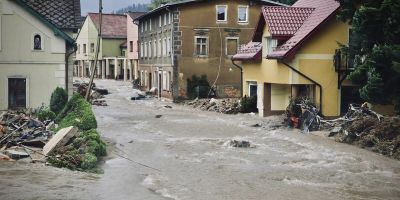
(92,49)
(247,14)
(84,49)
(130,46)
(226,44)
(225,16)
(159,50)
(160,21)
(195,46)
(33,42)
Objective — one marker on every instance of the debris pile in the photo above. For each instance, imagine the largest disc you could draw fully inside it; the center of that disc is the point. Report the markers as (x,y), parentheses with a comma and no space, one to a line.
(301,113)
(226,106)
(22,135)
(367,129)
(96,96)
(137,94)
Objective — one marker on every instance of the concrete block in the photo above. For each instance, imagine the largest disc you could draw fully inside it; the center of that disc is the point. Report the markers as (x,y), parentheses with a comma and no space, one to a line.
(60,139)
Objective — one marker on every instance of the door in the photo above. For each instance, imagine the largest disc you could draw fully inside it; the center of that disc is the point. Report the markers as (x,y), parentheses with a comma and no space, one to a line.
(16,93)
(159,84)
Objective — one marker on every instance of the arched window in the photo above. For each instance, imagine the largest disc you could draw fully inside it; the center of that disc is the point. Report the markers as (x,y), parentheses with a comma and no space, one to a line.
(37,42)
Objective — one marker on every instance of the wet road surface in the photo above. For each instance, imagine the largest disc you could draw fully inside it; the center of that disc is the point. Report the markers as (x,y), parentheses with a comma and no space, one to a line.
(192,159)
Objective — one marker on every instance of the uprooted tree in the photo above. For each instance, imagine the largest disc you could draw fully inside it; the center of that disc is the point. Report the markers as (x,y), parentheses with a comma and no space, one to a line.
(374,48)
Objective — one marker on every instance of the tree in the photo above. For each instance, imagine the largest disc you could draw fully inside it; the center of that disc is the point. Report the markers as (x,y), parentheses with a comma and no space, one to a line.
(375,48)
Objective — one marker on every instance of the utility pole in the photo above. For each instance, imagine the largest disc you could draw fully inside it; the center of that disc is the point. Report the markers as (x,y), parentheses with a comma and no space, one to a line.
(88,91)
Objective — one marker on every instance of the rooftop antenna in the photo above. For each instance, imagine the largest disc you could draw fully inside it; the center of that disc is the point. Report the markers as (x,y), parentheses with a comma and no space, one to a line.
(89,89)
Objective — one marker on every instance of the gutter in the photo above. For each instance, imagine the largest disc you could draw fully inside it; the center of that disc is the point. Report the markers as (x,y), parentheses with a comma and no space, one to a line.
(241,76)
(308,78)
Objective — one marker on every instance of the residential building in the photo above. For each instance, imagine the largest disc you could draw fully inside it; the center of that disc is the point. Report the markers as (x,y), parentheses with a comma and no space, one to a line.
(132,44)
(36,43)
(195,37)
(292,54)
(112,62)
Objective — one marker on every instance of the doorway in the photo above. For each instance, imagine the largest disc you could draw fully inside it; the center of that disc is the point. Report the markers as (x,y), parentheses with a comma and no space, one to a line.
(16,93)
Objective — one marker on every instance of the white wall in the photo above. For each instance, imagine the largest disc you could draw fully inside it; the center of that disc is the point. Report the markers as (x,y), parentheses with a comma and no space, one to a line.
(44,69)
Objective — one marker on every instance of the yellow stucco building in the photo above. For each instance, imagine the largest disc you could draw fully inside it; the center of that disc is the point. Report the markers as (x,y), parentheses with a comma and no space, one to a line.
(292,54)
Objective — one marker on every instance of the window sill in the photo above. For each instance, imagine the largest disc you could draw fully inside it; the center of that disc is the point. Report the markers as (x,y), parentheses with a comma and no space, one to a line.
(37,50)
(243,23)
(222,22)
(200,56)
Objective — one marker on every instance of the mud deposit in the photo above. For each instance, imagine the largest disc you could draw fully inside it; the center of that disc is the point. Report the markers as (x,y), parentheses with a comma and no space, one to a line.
(191,149)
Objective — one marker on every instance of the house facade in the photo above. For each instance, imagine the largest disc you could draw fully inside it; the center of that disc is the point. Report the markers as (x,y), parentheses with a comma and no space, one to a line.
(292,55)
(132,48)
(179,40)
(35,50)
(112,61)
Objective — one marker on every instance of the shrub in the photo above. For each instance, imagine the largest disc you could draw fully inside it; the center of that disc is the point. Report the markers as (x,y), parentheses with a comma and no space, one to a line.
(58,99)
(248,104)
(77,112)
(46,114)
(89,161)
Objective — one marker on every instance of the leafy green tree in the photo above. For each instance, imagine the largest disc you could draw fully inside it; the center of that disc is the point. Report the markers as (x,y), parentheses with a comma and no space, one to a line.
(58,99)
(375,48)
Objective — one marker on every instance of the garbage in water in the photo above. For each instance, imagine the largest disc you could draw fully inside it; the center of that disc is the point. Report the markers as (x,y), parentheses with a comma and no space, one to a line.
(96,96)
(158,116)
(240,144)
(302,113)
(226,106)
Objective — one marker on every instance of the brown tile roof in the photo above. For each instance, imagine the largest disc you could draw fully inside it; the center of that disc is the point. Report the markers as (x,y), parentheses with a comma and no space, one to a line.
(296,24)
(251,50)
(324,10)
(285,21)
(64,14)
(113,25)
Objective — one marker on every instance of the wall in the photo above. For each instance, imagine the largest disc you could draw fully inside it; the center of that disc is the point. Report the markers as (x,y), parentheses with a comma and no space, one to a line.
(193,21)
(133,36)
(44,70)
(111,47)
(314,59)
(87,35)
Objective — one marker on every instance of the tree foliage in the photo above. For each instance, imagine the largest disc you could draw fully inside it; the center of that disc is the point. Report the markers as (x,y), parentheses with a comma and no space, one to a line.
(375,48)
(133,8)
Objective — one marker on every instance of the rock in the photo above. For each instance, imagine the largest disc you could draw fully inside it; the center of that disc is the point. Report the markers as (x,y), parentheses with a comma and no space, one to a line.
(16,154)
(158,116)
(60,139)
(167,106)
(255,125)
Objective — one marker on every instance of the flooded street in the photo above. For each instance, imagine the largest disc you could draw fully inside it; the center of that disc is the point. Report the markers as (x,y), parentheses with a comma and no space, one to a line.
(189,152)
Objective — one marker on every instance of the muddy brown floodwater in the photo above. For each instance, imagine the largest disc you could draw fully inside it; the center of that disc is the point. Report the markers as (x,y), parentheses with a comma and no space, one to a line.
(190,148)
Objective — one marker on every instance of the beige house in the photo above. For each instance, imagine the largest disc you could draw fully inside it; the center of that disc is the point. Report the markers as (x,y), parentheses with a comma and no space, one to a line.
(112,62)
(35,50)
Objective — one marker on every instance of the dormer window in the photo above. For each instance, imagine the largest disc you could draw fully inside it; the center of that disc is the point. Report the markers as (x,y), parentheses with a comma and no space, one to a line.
(37,42)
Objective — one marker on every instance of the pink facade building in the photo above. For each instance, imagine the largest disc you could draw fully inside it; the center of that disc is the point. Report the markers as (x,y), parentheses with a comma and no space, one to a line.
(132,52)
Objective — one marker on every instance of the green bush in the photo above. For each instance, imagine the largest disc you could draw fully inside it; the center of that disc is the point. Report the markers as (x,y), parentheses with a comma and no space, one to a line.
(248,104)
(58,99)
(77,112)
(89,161)
(198,87)
(46,114)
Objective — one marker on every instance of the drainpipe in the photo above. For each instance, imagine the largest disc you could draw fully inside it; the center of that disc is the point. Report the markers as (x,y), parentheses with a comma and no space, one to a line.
(241,76)
(308,78)
(67,55)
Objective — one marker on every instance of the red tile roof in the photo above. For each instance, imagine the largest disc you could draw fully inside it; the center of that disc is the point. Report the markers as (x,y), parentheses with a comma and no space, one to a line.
(324,10)
(285,21)
(113,26)
(296,23)
(251,50)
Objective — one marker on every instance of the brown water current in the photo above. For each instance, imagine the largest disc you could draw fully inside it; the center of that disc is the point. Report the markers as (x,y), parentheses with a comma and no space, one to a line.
(190,149)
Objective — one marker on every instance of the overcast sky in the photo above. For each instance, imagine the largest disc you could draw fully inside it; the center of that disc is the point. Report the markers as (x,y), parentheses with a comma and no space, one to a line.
(108,5)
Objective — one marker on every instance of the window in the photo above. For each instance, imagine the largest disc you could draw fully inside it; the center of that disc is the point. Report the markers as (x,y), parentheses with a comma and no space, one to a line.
(79,48)
(221,13)
(159,48)
(131,46)
(141,27)
(145,26)
(91,47)
(232,45)
(37,42)
(252,89)
(169,18)
(165,19)
(201,44)
(146,77)
(169,81)
(160,21)
(271,45)
(142,78)
(155,48)
(145,49)
(150,49)
(84,48)
(243,12)
(169,46)
(150,24)
(164,47)
(141,50)
(164,80)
